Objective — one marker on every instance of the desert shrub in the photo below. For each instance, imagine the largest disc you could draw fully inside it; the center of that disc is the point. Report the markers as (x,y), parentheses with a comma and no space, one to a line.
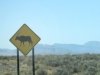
(61,71)
(41,72)
(91,71)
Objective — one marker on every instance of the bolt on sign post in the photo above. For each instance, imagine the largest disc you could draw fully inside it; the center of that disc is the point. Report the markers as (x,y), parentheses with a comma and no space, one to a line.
(25,40)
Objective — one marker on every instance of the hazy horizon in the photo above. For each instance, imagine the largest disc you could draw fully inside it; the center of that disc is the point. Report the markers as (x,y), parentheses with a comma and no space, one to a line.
(88,42)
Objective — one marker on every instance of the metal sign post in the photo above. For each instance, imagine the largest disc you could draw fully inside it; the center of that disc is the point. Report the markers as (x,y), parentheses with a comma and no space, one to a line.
(33,62)
(25,40)
(18,70)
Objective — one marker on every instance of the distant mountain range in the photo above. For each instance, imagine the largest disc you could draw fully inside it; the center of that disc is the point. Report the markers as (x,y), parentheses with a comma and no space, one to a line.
(89,47)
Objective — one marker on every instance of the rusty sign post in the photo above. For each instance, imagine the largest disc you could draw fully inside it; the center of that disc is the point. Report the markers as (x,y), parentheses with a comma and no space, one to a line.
(25,40)
(18,69)
(33,62)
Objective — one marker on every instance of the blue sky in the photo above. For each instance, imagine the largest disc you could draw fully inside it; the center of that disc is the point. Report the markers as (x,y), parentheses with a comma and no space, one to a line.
(55,21)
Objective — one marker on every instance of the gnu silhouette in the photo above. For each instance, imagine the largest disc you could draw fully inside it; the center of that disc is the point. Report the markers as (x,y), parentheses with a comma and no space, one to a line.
(24,39)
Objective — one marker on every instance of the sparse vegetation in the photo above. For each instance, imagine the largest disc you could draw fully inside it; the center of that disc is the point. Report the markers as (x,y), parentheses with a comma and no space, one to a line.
(83,64)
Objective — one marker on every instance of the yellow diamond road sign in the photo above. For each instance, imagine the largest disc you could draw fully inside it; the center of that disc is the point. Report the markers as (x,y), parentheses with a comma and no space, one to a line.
(25,39)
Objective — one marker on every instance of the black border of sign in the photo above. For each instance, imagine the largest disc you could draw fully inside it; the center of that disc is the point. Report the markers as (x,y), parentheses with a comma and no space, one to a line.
(19,30)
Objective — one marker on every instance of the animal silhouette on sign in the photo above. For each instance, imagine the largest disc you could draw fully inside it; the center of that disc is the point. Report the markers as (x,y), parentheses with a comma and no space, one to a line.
(23,39)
